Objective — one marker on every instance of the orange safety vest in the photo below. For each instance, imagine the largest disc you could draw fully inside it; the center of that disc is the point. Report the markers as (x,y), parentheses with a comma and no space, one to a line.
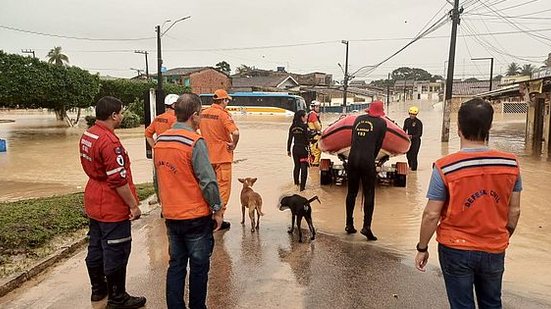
(479,186)
(161,123)
(179,191)
(216,127)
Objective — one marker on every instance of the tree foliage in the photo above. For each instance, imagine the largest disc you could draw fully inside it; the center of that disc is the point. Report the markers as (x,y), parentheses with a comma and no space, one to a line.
(129,90)
(527,69)
(513,69)
(224,67)
(56,57)
(31,83)
(410,73)
(244,69)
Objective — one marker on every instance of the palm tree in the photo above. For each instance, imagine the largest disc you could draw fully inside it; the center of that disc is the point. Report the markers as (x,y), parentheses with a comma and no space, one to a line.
(56,57)
(513,69)
(527,69)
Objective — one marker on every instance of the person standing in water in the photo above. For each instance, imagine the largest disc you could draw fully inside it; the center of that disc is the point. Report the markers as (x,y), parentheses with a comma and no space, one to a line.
(299,137)
(368,133)
(414,128)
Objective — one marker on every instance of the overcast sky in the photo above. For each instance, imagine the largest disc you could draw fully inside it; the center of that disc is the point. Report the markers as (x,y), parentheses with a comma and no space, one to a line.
(216,26)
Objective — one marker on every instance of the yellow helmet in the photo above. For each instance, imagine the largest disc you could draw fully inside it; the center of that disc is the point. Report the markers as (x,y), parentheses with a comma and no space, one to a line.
(414,110)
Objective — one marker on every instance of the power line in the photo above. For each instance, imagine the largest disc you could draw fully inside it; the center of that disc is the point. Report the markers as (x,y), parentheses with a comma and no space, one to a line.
(74,37)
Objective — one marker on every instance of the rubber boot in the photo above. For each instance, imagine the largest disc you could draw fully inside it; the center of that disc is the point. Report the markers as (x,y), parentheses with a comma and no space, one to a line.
(118,298)
(99,286)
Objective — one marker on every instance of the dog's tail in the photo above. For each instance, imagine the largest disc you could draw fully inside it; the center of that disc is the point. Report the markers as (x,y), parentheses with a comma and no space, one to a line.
(315,198)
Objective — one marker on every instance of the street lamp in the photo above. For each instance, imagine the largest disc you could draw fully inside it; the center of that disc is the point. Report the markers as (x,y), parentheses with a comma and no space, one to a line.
(491,68)
(345,88)
(160,106)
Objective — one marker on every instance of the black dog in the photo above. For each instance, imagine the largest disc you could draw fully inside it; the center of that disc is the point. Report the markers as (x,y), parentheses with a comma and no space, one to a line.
(300,207)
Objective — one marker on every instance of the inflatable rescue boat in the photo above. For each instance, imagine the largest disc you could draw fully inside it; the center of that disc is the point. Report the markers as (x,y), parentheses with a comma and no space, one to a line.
(337,138)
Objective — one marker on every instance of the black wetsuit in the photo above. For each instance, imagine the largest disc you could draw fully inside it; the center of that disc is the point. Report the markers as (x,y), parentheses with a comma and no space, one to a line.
(414,128)
(367,138)
(299,137)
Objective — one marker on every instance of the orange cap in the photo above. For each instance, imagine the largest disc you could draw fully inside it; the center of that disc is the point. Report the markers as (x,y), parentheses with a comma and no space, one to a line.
(221,94)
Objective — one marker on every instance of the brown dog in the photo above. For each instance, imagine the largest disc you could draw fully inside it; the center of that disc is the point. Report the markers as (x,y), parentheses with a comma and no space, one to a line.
(251,200)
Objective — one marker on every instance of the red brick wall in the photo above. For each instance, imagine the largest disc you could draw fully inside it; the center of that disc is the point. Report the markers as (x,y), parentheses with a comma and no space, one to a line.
(207,81)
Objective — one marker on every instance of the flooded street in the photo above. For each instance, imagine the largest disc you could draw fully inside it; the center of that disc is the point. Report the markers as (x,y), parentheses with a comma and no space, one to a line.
(42,160)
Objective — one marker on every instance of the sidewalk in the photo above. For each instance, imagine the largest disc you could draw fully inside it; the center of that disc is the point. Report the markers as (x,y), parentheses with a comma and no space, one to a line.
(268,269)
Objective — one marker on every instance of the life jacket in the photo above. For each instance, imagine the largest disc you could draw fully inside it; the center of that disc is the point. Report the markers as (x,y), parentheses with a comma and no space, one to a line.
(479,186)
(107,165)
(179,190)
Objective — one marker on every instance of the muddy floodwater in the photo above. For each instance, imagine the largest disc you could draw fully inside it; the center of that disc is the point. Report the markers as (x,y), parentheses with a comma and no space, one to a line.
(42,160)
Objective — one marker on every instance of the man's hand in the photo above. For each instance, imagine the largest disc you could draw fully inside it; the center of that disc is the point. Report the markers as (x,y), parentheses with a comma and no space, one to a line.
(135,213)
(218,218)
(421,260)
(289,153)
(231,146)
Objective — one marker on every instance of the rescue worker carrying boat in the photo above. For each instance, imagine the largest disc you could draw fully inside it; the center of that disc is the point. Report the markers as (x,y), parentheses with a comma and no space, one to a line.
(314,124)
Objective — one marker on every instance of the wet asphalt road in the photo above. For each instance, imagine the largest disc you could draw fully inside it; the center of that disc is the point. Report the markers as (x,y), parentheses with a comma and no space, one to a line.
(267,269)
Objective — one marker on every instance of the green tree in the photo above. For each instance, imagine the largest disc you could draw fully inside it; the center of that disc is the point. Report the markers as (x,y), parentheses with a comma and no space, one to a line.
(498,77)
(31,83)
(132,92)
(513,69)
(410,73)
(244,69)
(224,67)
(56,57)
(527,69)
(472,79)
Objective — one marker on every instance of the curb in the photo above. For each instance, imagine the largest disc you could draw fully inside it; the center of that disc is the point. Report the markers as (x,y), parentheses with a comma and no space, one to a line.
(15,281)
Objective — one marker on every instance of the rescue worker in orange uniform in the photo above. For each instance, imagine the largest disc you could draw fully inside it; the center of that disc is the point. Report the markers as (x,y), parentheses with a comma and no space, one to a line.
(221,134)
(191,200)
(474,207)
(111,202)
(162,122)
(159,125)
(314,124)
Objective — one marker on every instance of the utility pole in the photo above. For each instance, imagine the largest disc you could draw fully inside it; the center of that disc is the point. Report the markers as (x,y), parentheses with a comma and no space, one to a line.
(491,68)
(387,92)
(345,79)
(144,52)
(455,15)
(28,51)
(159,94)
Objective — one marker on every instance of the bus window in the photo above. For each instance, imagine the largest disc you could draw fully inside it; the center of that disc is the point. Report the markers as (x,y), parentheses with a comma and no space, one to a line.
(300,104)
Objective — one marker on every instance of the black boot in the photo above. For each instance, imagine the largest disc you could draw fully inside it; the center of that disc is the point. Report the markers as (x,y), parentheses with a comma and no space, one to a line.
(118,298)
(368,233)
(99,286)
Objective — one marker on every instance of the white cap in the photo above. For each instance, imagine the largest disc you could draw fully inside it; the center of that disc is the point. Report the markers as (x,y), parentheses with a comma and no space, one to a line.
(315,103)
(171,99)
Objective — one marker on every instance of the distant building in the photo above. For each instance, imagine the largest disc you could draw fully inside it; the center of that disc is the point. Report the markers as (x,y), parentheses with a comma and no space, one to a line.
(199,79)
(278,82)
(417,90)
(314,79)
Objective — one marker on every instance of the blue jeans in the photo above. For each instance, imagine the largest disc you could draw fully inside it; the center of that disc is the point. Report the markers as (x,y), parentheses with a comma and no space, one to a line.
(462,269)
(193,241)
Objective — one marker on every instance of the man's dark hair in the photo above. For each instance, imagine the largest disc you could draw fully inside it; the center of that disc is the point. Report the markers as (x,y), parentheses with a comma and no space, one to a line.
(186,105)
(475,119)
(106,106)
